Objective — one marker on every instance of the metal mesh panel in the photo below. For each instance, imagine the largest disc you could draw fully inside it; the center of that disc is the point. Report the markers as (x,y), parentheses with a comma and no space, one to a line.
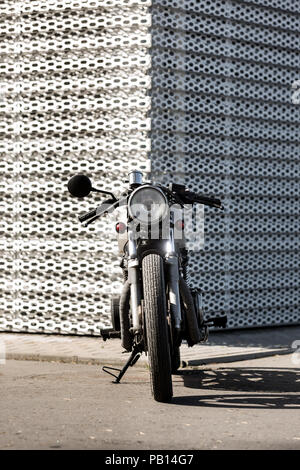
(74,87)
(223,122)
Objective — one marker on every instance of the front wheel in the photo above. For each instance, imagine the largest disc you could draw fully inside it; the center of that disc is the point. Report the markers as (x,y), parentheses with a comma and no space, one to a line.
(157,328)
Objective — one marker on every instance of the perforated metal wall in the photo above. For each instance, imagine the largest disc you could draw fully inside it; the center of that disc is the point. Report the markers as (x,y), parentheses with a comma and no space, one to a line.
(223,121)
(74,89)
(75,97)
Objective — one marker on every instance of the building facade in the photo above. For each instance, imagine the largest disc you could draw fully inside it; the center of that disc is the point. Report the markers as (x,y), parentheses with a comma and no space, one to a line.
(193,91)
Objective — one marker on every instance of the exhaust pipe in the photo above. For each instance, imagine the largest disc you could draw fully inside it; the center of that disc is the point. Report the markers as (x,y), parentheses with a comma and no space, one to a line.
(194,336)
(126,339)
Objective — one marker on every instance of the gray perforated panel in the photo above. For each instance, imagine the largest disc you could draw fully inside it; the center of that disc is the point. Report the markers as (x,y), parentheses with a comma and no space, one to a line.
(224,123)
(75,97)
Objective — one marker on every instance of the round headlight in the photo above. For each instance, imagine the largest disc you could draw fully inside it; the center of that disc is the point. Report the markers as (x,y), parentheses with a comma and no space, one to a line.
(147,205)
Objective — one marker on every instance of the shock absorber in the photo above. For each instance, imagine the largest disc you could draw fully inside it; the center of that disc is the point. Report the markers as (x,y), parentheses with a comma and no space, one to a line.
(124,267)
(185,267)
(196,295)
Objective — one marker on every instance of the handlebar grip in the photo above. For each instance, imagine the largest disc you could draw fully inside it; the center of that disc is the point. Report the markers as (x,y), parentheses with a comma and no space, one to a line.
(208,201)
(88,215)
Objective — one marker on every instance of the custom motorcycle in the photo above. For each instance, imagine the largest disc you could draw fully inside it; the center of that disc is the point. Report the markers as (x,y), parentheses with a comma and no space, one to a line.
(156,310)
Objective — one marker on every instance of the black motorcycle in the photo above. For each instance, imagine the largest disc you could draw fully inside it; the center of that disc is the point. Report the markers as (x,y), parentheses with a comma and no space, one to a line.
(157,309)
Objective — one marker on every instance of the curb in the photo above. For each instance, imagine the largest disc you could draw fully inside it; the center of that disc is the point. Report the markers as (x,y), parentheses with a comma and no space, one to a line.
(69,359)
(237,357)
(192,363)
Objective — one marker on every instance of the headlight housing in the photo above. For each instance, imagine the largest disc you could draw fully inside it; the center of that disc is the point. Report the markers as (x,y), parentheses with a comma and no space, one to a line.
(147,204)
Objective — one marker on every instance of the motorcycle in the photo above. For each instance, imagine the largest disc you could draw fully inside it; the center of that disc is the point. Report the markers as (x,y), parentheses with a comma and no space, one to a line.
(157,309)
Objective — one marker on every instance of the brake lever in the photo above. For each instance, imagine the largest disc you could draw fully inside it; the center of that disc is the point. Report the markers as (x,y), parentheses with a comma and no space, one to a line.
(107,210)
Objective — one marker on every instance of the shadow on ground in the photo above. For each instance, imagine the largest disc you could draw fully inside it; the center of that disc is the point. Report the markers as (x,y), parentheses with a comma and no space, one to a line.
(268,338)
(259,387)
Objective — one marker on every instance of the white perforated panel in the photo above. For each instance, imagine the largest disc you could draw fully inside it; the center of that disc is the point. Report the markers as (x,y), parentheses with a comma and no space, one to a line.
(74,83)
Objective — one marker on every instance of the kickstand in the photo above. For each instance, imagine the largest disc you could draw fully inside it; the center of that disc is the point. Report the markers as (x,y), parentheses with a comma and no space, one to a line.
(134,357)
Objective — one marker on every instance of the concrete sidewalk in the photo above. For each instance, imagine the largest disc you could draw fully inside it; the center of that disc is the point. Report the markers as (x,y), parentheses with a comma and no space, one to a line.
(223,346)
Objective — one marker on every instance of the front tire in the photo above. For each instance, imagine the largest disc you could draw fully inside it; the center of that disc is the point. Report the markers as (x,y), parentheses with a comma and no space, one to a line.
(157,328)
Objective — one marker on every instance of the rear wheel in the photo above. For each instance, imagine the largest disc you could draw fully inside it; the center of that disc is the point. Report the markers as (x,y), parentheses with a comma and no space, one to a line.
(156,328)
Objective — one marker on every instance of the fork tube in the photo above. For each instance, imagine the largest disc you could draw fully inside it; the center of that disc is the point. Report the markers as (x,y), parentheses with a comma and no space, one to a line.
(173,279)
(135,286)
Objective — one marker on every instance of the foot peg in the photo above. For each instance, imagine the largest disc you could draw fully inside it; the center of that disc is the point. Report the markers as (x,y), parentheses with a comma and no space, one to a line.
(108,333)
(217,322)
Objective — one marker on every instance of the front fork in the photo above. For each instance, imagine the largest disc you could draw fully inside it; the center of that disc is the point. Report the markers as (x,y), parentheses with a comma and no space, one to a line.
(135,284)
(172,274)
(172,266)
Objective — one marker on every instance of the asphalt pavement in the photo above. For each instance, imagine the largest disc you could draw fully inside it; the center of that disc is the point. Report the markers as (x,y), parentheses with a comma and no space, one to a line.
(251,404)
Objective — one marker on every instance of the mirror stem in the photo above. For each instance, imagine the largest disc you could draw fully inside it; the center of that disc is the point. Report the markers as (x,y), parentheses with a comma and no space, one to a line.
(104,192)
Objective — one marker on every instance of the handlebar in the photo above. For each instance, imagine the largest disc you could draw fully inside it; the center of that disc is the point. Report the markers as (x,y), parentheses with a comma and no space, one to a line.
(208,201)
(188,197)
(87,216)
(104,208)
